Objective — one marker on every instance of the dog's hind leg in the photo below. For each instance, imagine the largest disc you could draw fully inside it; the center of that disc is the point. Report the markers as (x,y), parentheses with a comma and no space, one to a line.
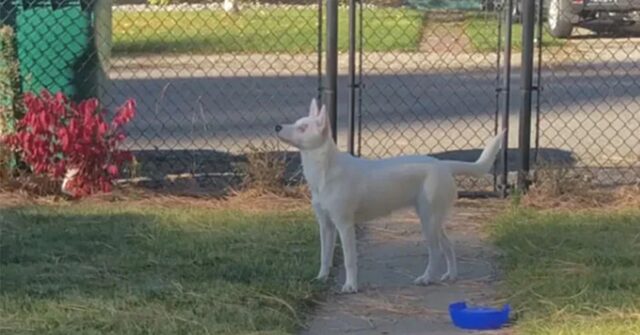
(449,256)
(447,194)
(435,202)
(432,238)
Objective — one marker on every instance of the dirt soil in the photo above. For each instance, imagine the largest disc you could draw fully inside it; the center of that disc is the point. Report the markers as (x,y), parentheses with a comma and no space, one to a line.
(447,37)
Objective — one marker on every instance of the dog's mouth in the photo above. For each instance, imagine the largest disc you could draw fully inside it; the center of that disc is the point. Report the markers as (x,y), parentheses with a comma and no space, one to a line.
(285,140)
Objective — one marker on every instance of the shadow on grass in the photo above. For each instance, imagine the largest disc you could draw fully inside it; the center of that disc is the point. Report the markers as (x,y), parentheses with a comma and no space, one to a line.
(217,172)
(160,163)
(157,271)
(204,172)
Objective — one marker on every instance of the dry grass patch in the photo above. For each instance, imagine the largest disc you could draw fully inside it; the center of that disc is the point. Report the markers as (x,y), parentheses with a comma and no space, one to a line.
(561,187)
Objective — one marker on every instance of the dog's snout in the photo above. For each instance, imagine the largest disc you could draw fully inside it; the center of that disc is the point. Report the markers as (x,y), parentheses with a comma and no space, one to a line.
(278,128)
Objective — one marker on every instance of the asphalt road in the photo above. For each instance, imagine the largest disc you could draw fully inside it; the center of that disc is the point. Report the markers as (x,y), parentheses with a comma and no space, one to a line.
(589,107)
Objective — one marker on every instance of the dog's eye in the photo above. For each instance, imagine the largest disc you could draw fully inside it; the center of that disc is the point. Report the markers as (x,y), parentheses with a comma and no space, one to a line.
(302,128)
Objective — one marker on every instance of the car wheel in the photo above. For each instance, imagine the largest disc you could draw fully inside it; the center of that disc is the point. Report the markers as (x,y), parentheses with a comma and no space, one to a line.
(516,11)
(488,5)
(559,18)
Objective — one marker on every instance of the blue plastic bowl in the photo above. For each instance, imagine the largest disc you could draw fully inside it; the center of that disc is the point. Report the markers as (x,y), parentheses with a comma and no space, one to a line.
(478,318)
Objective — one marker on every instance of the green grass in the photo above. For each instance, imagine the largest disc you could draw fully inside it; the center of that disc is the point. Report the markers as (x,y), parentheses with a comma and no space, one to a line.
(483,34)
(572,273)
(256,31)
(122,270)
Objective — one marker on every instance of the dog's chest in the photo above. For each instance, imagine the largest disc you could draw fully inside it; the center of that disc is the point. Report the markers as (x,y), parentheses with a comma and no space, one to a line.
(324,188)
(314,172)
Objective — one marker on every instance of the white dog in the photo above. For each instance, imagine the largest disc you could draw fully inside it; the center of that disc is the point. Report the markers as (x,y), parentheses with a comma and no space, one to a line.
(346,190)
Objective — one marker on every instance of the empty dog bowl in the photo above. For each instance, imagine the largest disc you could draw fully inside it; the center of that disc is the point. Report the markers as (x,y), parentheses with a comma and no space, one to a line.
(478,318)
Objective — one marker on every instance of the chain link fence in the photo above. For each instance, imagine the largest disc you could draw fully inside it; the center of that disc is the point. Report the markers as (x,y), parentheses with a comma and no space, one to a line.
(438,93)
(212,79)
(212,83)
(589,110)
(450,93)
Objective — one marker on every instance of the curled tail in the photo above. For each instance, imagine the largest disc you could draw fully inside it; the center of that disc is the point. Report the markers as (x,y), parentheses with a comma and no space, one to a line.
(483,164)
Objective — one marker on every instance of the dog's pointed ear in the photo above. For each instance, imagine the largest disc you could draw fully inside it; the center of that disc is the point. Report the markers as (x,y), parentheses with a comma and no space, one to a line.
(313,108)
(323,120)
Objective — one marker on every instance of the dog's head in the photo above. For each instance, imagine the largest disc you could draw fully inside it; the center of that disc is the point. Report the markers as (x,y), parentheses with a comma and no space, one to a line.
(309,132)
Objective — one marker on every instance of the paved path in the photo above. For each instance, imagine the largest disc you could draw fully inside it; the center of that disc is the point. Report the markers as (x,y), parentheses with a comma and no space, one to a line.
(391,255)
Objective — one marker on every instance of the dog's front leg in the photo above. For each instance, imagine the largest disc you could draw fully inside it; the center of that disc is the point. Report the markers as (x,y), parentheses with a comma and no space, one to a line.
(327,242)
(347,231)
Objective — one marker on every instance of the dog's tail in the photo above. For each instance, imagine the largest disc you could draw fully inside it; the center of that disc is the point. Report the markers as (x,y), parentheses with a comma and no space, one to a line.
(483,164)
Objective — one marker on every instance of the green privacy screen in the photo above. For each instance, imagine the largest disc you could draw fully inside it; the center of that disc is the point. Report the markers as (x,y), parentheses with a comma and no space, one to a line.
(58,44)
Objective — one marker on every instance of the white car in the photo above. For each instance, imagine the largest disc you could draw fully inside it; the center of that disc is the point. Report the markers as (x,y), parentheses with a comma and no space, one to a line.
(600,16)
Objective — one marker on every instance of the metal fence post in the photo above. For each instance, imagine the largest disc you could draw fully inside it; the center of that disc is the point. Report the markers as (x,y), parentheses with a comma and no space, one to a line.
(352,76)
(507,98)
(319,36)
(332,66)
(528,20)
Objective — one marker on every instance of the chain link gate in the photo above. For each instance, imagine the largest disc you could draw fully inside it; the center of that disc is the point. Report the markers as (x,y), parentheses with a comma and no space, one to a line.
(588,119)
(431,83)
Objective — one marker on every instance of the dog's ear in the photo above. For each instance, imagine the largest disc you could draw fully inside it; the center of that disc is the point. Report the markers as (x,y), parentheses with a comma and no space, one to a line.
(313,108)
(323,120)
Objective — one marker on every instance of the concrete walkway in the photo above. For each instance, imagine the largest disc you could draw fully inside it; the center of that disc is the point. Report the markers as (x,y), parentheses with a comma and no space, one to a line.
(391,255)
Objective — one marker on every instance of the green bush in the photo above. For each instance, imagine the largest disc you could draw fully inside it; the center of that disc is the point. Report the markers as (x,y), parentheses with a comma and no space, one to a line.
(11,107)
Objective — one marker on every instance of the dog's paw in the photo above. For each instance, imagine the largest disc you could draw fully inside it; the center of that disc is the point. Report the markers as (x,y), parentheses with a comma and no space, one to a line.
(423,280)
(449,277)
(348,288)
(322,278)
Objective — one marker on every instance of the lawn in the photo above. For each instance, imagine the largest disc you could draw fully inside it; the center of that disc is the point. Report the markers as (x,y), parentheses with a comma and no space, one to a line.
(572,273)
(120,269)
(483,35)
(256,31)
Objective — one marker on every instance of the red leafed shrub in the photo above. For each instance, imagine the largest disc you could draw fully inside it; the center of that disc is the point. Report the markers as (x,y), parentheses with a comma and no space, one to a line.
(56,136)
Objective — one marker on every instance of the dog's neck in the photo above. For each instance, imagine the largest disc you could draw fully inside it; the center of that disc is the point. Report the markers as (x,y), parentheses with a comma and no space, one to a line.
(317,162)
